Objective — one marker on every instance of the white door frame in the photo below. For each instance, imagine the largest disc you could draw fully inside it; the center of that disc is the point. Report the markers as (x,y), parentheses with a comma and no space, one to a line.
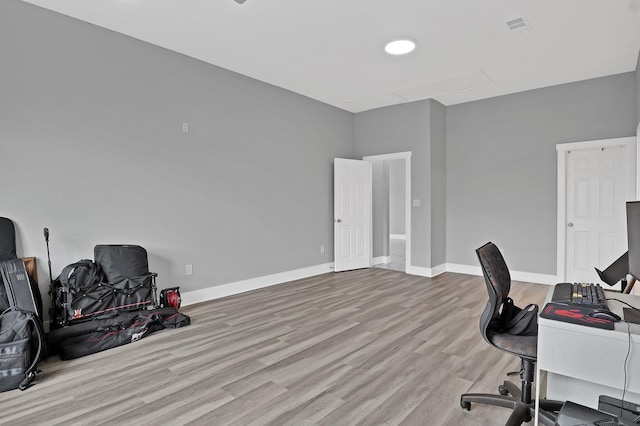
(407,197)
(637,162)
(563,149)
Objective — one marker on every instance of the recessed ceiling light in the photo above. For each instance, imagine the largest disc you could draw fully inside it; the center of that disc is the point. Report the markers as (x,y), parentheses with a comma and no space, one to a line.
(400,47)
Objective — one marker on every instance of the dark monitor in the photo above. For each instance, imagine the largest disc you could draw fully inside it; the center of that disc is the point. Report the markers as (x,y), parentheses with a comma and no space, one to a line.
(633,235)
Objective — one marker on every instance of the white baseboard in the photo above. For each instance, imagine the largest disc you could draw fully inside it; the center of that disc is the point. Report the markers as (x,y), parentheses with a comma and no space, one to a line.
(224,290)
(216,292)
(426,272)
(397,236)
(380,259)
(529,277)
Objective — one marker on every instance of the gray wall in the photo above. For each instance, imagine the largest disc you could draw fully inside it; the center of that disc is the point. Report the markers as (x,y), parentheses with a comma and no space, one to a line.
(401,128)
(501,164)
(380,208)
(638,87)
(419,127)
(92,147)
(397,199)
(437,144)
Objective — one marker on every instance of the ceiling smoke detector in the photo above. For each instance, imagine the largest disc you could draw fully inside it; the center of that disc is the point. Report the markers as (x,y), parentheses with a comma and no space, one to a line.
(518,24)
(240,1)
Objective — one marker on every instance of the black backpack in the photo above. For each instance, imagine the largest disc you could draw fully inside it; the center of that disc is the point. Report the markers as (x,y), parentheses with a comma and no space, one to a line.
(75,280)
(80,276)
(21,334)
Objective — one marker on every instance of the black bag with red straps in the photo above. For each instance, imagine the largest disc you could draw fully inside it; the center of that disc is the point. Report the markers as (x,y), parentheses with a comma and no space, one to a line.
(100,334)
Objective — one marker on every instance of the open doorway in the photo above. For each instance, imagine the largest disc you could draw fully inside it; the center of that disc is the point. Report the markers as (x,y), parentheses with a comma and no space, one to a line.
(391,212)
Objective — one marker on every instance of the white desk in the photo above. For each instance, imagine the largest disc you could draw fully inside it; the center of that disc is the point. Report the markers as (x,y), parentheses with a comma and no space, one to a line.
(583,363)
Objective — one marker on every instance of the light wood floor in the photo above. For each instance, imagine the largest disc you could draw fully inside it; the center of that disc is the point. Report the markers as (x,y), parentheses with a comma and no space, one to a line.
(363,347)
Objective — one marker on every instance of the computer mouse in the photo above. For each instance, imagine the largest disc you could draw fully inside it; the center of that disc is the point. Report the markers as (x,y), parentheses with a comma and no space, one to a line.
(605,314)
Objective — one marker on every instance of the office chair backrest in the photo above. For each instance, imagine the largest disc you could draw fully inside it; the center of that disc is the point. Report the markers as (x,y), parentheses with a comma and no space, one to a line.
(498,281)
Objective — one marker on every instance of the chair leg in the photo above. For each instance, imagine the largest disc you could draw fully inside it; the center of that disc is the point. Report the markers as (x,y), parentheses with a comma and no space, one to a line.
(487,398)
(521,414)
(518,399)
(511,388)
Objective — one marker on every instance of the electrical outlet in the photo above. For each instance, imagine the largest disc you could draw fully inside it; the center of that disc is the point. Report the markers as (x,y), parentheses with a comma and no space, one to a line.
(185,127)
(188,269)
(322,249)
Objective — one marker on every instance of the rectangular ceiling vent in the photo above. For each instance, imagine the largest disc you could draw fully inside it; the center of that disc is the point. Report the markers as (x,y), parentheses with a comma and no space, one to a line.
(518,24)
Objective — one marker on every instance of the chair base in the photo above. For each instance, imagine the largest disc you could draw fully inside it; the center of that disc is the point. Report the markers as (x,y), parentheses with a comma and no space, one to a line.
(509,397)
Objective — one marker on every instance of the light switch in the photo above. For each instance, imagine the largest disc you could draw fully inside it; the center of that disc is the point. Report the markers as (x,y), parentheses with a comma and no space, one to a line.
(416,203)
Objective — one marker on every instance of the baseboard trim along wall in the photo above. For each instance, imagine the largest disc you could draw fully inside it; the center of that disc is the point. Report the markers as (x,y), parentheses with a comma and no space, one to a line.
(380,259)
(217,292)
(426,272)
(224,290)
(528,277)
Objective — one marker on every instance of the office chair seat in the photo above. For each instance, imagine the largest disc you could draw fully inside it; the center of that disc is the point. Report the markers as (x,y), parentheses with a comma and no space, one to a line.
(522,346)
(498,282)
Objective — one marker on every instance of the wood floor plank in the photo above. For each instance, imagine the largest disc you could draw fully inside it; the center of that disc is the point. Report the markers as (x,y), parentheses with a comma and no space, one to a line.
(366,347)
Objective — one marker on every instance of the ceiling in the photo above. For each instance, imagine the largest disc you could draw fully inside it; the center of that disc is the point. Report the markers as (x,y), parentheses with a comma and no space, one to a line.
(333,50)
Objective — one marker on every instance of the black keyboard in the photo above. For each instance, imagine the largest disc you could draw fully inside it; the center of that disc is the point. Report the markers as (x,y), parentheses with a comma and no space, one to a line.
(581,294)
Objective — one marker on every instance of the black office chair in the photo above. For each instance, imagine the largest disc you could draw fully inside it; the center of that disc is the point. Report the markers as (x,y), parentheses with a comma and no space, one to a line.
(498,281)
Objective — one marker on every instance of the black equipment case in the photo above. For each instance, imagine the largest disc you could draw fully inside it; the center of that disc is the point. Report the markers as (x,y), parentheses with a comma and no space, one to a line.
(118,281)
(8,252)
(100,334)
(7,239)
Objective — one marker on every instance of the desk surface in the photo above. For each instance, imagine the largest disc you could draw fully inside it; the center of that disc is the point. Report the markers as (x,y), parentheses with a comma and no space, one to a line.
(585,362)
(621,328)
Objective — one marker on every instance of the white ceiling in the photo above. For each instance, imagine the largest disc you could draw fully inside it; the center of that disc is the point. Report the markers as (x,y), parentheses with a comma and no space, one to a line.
(333,50)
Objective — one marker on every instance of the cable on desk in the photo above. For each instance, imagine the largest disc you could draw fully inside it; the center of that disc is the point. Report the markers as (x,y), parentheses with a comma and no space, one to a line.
(623,302)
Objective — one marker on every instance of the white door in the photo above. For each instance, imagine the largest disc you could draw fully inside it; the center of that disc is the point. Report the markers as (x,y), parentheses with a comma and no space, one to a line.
(352,214)
(596,215)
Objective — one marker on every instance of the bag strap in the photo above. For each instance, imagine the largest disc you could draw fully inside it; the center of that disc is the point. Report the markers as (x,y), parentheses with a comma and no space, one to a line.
(527,310)
(7,285)
(32,372)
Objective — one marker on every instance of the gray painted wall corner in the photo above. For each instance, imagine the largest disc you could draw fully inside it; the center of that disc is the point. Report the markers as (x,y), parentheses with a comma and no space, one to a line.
(401,128)
(501,164)
(438,170)
(638,88)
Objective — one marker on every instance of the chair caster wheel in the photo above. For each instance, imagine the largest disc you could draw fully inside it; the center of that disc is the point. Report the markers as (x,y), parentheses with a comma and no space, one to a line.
(503,390)
(465,405)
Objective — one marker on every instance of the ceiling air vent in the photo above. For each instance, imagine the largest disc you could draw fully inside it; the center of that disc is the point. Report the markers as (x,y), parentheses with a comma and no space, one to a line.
(518,24)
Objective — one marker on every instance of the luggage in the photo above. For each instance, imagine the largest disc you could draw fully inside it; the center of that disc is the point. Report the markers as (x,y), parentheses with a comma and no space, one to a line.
(8,252)
(105,333)
(118,281)
(126,270)
(21,334)
(7,239)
